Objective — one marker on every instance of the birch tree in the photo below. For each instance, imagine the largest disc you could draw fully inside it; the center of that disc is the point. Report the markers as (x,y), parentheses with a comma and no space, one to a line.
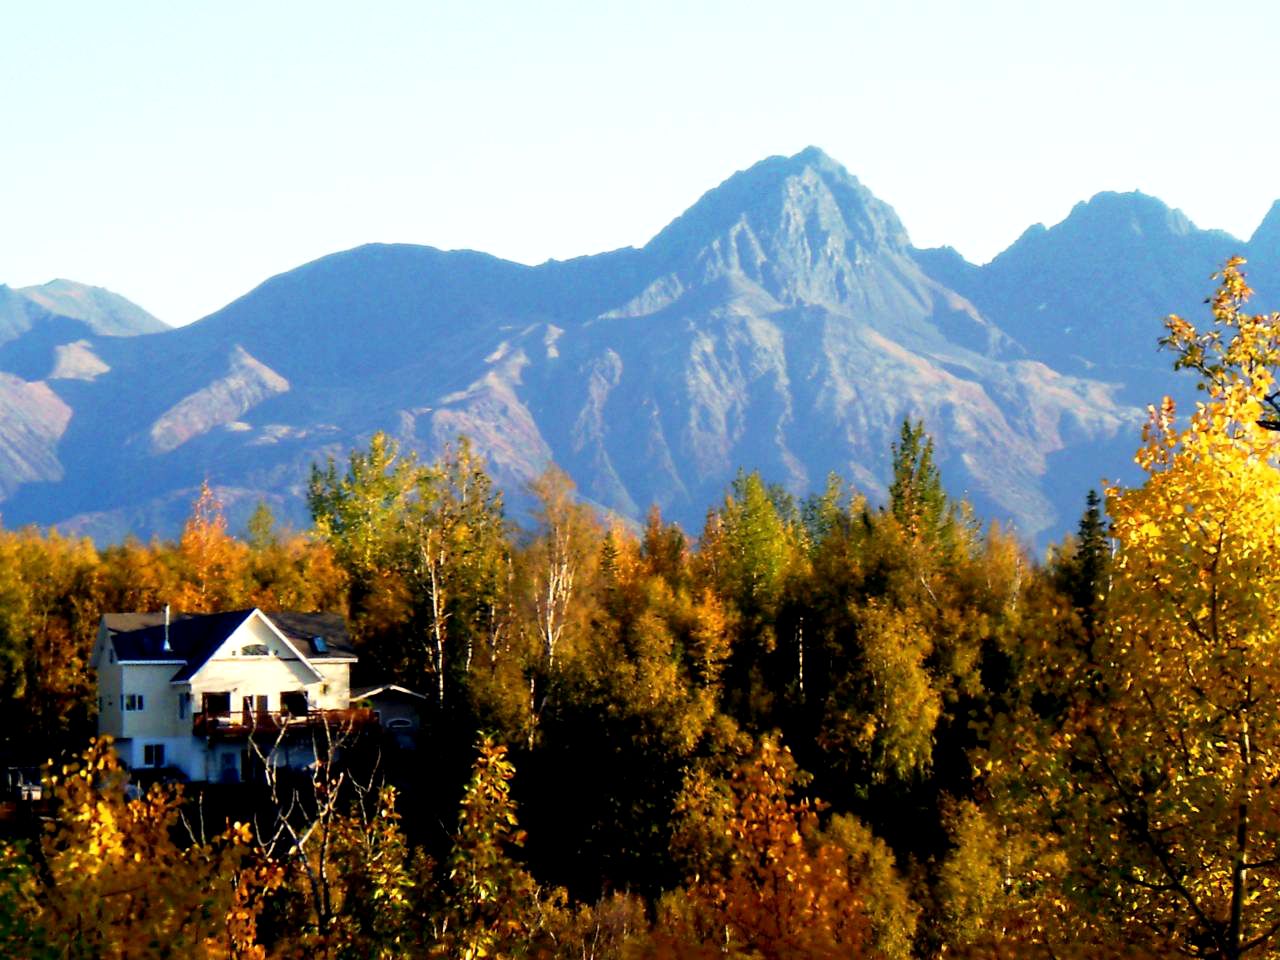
(1150,764)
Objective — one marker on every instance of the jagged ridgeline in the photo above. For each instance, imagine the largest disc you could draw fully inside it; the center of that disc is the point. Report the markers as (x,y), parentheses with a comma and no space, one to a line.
(784,323)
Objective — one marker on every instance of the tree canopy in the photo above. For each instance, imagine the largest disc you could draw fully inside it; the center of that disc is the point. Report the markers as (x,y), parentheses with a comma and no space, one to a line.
(833,727)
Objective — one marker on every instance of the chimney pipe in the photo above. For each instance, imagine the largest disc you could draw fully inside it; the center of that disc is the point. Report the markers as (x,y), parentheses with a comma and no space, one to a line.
(167,648)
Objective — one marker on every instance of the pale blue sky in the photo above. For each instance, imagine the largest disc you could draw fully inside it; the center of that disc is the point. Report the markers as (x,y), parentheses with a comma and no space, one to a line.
(180,153)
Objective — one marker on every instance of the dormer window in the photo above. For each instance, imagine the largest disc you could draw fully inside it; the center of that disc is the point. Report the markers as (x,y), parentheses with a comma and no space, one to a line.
(255,650)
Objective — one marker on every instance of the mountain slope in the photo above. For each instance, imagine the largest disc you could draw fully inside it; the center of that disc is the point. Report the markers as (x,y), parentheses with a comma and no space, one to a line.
(107,314)
(45,334)
(790,330)
(1089,294)
(783,323)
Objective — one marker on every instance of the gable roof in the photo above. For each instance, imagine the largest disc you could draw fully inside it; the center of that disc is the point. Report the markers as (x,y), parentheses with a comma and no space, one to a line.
(303,629)
(364,693)
(194,638)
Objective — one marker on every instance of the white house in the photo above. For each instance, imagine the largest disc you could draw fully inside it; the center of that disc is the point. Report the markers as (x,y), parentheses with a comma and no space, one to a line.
(190,692)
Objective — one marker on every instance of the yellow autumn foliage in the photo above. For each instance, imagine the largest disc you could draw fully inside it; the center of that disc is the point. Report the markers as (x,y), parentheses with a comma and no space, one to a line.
(1138,801)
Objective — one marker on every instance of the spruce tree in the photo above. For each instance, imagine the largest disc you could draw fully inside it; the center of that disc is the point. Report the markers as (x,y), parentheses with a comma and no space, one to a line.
(916,498)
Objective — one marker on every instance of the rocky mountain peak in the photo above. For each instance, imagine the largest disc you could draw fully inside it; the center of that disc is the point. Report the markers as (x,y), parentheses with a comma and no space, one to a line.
(1133,213)
(104,312)
(801,227)
(1116,231)
(779,194)
(782,323)
(1107,225)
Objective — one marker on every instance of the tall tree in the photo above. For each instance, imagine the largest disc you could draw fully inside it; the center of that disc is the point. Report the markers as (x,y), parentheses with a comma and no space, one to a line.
(559,566)
(361,514)
(749,549)
(1153,770)
(459,566)
(260,531)
(491,904)
(1082,573)
(916,497)
(212,562)
(767,881)
(428,554)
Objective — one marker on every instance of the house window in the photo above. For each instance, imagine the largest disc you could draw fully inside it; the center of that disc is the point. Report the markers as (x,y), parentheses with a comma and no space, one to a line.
(217,704)
(153,755)
(184,705)
(255,707)
(133,701)
(294,703)
(111,656)
(254,650)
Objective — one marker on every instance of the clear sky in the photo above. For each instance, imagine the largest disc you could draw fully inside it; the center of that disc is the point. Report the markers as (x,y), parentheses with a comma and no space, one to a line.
(181,153)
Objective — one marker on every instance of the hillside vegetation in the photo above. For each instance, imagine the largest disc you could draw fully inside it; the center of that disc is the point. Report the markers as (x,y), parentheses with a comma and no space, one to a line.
(829,728)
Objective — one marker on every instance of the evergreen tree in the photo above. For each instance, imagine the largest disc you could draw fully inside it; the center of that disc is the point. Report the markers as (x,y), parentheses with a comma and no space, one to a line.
(1082,576)
(261,528)
(1144,816)
(916,498)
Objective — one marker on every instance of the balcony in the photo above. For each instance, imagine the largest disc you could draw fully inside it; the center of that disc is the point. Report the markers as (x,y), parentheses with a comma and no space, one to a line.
(240,725)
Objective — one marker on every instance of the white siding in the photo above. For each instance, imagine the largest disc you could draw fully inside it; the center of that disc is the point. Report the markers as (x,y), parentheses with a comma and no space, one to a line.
(184,753)
(243,676)
(159,714)
(334,691)
(230,670)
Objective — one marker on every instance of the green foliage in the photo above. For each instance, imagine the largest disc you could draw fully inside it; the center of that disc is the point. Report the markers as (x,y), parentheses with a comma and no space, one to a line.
(1082,570)
(360,513)
(750,549)
(1074,760)
(1157,743)
(109,880)
(260,532)
(427,553)
(916,497)
(754,547)
(491,907)
(886,710)
(459,566)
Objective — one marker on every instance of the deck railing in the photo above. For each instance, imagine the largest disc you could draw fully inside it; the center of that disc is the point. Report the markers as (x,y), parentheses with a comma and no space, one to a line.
(242,723)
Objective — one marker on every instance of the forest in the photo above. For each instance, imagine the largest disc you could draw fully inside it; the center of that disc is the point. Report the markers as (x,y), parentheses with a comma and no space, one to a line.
(817,729)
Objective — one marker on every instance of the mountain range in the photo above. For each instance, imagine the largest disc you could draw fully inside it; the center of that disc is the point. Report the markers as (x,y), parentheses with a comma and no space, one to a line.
(784,323)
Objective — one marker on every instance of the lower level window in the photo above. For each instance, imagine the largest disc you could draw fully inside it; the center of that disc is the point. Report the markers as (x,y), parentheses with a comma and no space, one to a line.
(133,701)
(153,755)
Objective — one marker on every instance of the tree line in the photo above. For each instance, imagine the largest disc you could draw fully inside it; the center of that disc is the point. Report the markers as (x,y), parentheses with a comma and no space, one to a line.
(825,728)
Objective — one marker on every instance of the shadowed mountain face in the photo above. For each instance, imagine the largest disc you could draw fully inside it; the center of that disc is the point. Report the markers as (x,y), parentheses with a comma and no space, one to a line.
(784,323)
(1089,295)
(46,334)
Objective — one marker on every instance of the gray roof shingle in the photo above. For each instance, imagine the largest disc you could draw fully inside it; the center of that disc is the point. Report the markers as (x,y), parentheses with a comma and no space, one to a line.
(194,637)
